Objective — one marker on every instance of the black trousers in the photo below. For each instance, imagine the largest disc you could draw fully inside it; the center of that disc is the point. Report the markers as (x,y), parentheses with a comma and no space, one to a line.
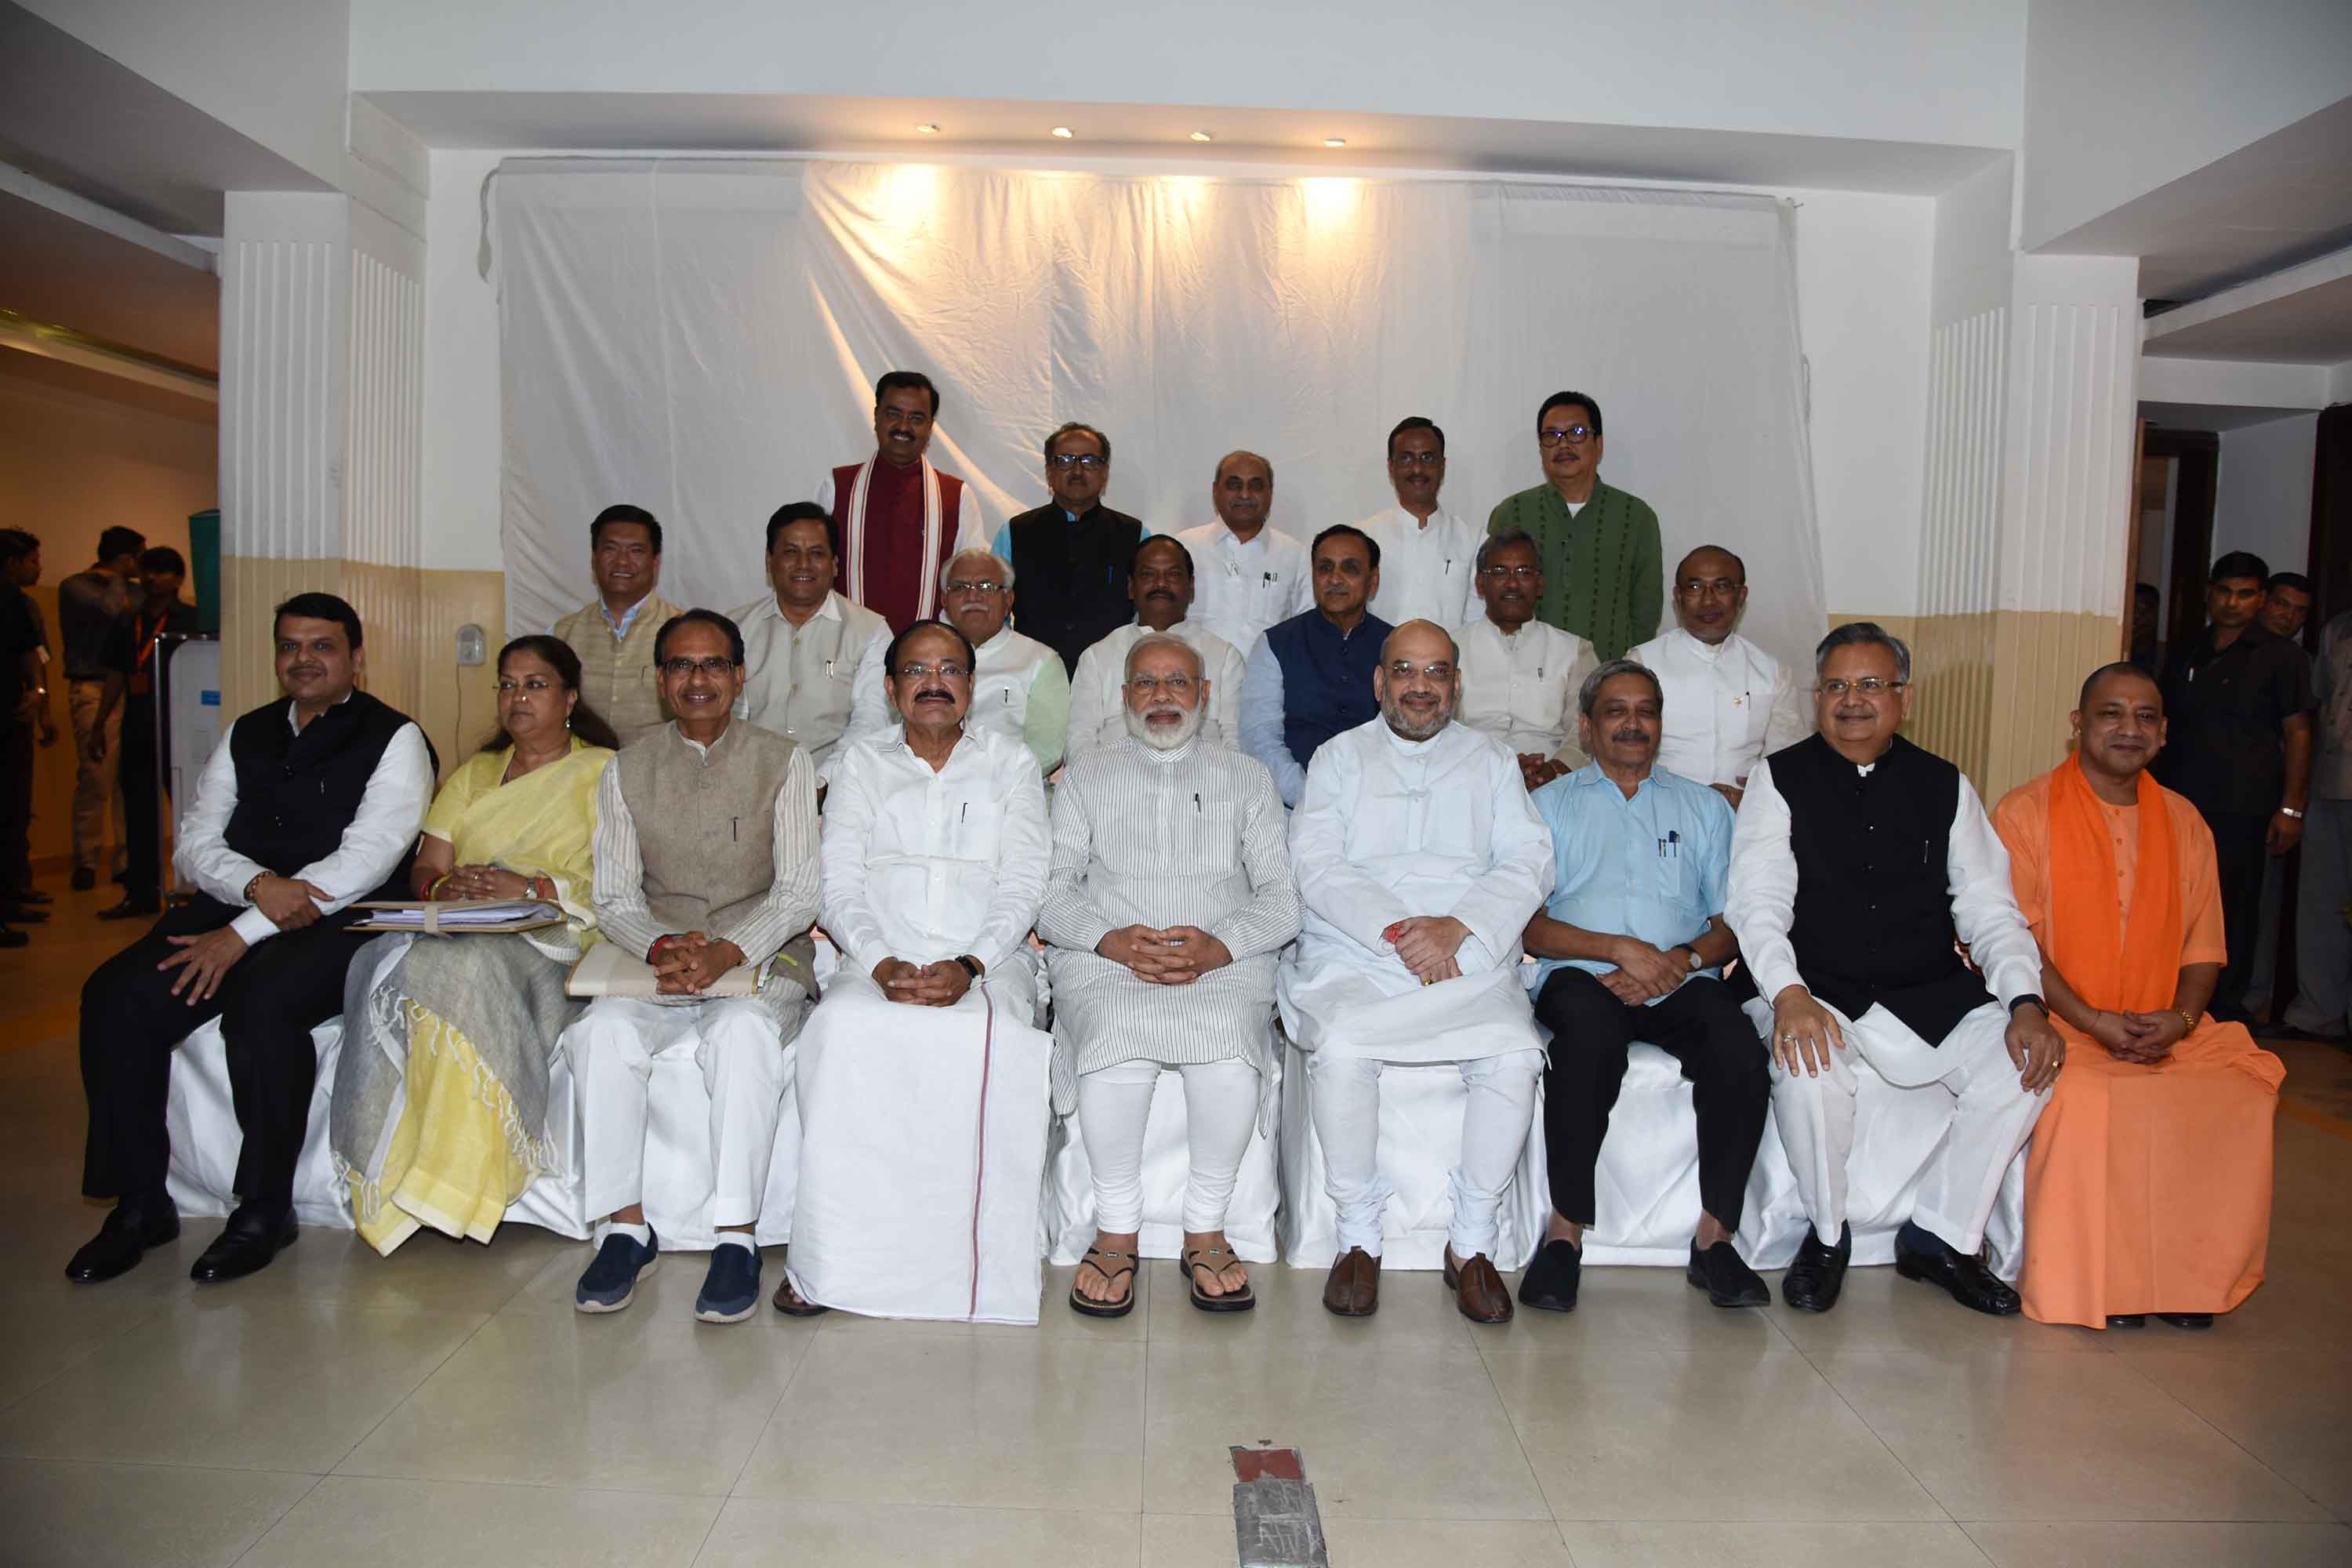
(141,799)
(16,803)
(2240,855)
(267,1005)
(1700,1026)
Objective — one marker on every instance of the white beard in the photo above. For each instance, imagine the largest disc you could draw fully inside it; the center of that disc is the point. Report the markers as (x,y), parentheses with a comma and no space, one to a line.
(1164,740)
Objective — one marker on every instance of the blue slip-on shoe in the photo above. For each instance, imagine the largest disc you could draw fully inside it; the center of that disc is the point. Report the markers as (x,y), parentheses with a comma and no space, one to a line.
(730,1291)
(611,1281)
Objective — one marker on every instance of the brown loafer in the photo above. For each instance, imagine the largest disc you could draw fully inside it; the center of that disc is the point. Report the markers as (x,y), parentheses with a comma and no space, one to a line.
(792,1303)
(1353,1290)
(1477,1290)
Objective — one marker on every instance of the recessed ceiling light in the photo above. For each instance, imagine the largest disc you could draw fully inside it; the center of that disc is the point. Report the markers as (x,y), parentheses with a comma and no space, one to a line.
(1202,136)
(929,130)
(1064,132)
(1335,140)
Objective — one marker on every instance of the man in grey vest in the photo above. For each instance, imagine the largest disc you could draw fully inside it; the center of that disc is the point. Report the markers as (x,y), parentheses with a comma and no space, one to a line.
(705,863)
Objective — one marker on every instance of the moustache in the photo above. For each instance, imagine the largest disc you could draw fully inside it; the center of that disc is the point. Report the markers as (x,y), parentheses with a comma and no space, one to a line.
(1631,737)
(1163,710)
(925,694)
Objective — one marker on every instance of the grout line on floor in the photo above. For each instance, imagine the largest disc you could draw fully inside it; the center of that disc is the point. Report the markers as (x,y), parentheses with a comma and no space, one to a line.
(410,1392)
(1877,1436)
(266,1531)
(2199,1417)
(162,1306)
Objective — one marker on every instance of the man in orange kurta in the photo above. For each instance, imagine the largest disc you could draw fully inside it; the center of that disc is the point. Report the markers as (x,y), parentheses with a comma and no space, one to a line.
(2147,1188)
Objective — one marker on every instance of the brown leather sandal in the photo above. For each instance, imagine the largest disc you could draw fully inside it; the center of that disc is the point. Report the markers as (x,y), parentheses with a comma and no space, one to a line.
(1119,1309)
(1216,1260)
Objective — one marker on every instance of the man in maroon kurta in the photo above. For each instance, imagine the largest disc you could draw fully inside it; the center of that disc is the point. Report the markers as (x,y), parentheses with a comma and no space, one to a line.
(901,519)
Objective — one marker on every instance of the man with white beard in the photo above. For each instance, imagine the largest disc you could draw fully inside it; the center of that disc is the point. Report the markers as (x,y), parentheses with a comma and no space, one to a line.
(1169,895)
(1419,859)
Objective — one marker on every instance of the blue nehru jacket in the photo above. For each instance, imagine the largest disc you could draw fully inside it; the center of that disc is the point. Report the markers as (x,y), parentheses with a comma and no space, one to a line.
(1652,866)
(1307,680)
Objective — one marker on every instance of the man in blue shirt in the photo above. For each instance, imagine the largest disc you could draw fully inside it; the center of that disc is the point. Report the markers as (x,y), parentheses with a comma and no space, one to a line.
(1310,677)
(1633,943)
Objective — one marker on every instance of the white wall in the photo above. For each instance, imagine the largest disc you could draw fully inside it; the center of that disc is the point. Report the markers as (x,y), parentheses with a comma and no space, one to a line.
(2123,96)
(1863,266)
(1906,71)
(2262,499)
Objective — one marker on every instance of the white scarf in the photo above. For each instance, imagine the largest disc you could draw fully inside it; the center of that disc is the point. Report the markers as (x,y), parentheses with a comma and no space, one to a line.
(927,603)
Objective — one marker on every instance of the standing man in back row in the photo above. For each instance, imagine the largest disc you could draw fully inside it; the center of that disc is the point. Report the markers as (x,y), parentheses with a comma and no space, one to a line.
(899,517)
(1252,575)
(615,635)
(1427,553)
(88,605)
(1069,557)
(1602,565)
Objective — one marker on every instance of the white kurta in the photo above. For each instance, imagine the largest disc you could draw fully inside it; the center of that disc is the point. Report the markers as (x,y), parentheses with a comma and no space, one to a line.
(923,1129)
(1013,670)
(1726,706)
(1388,829)
(1426,569)
(1239,590)
(1099,711)
(1522,688)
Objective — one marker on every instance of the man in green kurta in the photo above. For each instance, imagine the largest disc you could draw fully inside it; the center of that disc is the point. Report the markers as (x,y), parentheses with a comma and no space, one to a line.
(1603,575)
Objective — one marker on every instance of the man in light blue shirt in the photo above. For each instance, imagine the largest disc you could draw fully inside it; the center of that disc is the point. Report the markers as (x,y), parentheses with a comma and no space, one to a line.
(1633,943)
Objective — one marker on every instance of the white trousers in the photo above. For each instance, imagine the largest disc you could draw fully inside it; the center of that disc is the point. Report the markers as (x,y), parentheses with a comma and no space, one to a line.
(1221,1101)
(1343,1095)
(1993,1117)
(745,1068)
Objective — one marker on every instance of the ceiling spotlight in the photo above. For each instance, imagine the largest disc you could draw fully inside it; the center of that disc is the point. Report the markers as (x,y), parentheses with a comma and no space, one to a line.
(1335,140)
(1064,132)
(928,129)
(1202,136)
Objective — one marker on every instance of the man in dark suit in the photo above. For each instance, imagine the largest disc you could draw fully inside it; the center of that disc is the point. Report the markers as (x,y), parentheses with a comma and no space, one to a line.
(308,804)
(1070,557)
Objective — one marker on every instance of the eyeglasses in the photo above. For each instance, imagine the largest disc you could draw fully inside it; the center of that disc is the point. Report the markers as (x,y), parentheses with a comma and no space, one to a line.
(1574,435)
(1087,461)
(1405,670)
(984,586)
(946,669)
(1496,573)
(1176,686)
(715,666)
(1407,460)
(1868,686)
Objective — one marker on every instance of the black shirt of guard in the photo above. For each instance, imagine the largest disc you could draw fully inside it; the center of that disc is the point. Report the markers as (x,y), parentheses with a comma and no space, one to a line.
(2223,709)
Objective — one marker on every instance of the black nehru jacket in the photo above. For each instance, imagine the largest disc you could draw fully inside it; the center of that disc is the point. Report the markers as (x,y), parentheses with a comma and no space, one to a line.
(297,794)
(1874,915)
(1070,576)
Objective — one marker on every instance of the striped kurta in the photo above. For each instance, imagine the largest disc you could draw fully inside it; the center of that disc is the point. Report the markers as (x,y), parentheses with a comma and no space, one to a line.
(1193,837)
(1603,570)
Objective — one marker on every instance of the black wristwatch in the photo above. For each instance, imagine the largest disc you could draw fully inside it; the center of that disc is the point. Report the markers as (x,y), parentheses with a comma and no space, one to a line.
(2029,996)
(971,964)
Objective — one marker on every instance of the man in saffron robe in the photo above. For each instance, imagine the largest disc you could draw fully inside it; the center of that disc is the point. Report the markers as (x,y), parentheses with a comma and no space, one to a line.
(899,518)
(2149,1186)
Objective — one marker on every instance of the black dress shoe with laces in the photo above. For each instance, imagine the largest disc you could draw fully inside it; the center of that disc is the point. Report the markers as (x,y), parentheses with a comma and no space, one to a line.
(132,909)
(2187,1319)
(1921,1254)
(1550,1282)
(128,1231)
(253,1234)
(1818,1275)
(1725,1276)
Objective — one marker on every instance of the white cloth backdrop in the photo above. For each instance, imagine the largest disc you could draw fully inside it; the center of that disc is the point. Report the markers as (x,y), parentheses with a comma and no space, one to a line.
(702,339)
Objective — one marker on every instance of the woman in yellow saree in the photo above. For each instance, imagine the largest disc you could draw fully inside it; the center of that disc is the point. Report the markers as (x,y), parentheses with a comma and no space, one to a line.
(440,1109)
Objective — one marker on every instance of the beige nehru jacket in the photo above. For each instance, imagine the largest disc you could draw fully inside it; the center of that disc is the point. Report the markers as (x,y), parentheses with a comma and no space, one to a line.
(617,678)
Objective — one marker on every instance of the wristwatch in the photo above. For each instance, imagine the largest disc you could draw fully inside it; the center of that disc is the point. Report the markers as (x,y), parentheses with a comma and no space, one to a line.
(2290,811)
(1697,962)
(2029,996)
(971,964)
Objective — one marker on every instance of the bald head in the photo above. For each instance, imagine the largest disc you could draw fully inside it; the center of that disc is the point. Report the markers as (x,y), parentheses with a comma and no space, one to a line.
(1418,682)
(1710,593)
(2121,671)
(2120,728)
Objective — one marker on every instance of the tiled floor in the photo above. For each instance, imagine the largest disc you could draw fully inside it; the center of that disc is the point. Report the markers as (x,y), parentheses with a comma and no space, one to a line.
(446,1406)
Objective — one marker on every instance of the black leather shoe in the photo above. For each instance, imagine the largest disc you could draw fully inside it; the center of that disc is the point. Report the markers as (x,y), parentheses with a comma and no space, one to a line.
(1550,1282)
(253,1235)
(132,910)
(1922,1255)
(22,914)
(1815,1278)
(1725,1276)
(2126,1320)
(84,879)
(2187,1319)
(129,1230)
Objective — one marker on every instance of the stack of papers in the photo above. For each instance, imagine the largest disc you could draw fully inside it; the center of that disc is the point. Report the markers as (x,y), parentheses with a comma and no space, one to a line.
(462,915)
